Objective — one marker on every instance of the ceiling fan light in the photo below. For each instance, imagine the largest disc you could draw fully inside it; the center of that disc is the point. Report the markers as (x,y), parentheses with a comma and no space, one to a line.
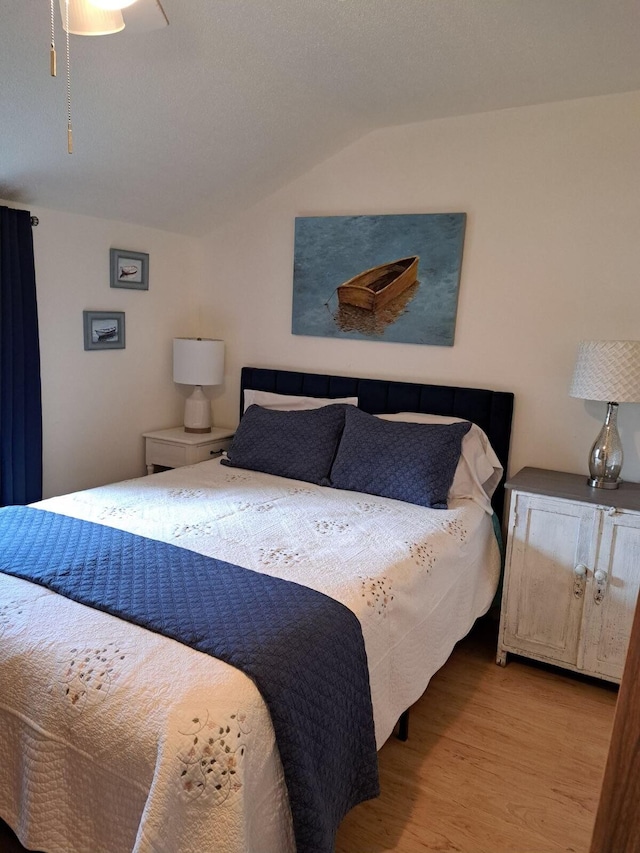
(112,4)
(87,20)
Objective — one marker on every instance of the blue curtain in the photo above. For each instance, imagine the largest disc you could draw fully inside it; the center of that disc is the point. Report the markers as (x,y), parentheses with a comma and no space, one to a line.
(20,398)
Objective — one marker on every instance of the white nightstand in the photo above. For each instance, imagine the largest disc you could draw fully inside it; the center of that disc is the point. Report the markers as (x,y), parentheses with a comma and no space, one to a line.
(572,572)
(173,448)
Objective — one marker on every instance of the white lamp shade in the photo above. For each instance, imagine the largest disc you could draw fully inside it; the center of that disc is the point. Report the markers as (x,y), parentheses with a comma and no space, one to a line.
(198,361)
(608,371)
(87,20)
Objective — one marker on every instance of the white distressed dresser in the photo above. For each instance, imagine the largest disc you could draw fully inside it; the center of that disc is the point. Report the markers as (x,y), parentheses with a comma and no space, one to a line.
(572,572)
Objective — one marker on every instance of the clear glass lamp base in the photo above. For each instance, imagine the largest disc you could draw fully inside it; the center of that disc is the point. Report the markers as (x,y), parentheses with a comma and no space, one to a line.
(605,460)
(601,483)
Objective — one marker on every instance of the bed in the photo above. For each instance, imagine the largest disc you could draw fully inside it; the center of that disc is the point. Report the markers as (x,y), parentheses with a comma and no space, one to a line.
(114,737)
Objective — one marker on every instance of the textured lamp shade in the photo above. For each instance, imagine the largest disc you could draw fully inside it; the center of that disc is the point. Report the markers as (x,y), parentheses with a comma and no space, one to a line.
(198,361)
(87,20)
(607,371)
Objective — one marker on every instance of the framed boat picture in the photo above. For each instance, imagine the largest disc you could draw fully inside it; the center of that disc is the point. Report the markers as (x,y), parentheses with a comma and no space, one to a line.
(103,329)
(129,270)
(387,277)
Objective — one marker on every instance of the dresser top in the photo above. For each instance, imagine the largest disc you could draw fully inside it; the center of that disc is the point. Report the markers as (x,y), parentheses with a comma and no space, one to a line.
(559,484)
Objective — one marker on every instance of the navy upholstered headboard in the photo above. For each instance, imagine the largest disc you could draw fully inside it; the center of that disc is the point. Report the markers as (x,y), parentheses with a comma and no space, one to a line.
(491,410)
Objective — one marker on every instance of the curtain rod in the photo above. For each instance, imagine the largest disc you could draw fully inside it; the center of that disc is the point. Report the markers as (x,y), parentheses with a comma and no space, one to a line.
(34,221)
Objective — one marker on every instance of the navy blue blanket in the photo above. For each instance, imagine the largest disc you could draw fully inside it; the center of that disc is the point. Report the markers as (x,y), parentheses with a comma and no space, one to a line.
(303,650)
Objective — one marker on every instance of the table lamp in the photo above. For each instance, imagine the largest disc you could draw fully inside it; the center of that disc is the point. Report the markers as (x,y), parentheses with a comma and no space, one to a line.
(198,361)
(607,371)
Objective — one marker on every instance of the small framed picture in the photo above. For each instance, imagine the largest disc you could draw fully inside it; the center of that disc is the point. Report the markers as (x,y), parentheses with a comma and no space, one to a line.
(103,329)
(129,269)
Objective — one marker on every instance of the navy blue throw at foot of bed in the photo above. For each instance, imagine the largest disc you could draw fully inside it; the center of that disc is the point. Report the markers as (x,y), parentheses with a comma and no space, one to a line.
(303,650)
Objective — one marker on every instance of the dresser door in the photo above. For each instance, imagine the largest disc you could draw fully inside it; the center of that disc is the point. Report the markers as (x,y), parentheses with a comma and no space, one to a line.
(612,594)
(550,543)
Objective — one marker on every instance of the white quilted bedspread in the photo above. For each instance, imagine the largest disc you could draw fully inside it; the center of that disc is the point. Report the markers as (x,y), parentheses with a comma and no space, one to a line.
(114,739)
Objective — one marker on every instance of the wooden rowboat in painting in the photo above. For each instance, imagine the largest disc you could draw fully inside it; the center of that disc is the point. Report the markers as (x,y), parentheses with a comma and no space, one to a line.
(106,334)
(377,286)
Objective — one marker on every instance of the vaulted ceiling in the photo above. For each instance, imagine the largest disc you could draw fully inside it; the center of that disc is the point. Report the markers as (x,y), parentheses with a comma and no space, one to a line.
(177,128)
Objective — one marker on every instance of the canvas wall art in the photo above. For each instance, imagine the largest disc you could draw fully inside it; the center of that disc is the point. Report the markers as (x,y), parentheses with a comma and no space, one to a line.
(392,277)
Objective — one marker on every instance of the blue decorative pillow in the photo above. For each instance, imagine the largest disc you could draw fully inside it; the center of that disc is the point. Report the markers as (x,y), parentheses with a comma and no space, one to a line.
(297,444)
(406,461)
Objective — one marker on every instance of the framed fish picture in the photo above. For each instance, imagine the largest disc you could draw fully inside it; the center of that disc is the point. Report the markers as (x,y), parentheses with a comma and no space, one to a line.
(388,277)
(129,269)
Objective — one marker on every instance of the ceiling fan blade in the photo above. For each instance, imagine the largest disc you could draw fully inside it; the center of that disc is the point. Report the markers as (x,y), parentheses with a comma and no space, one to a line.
(111,4)
(143,16)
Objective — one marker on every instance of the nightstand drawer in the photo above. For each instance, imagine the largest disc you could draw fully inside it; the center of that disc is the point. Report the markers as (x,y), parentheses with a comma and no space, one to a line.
(208,451)
(176,455)
(169,455)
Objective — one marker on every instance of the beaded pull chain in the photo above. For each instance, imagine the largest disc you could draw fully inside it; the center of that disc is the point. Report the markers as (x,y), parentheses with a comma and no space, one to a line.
(52,52)
(69,128)
(53,66)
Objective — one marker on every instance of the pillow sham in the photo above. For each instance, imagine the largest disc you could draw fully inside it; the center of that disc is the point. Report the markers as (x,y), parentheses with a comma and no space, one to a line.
(291,402)
(479,469)
(300,444)
(405,461)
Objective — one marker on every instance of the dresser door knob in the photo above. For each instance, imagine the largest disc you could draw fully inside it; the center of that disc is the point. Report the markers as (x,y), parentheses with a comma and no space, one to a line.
(600,578)
(580,575)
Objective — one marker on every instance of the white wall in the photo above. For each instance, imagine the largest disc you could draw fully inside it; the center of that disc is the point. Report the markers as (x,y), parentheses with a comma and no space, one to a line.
(551,256)
(97,404)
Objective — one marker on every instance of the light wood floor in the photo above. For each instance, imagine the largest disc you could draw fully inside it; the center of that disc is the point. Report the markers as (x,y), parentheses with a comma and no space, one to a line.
(498,761)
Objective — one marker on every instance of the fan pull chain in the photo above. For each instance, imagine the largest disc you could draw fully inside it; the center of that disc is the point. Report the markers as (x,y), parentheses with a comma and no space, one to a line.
(69,128)
(52,53)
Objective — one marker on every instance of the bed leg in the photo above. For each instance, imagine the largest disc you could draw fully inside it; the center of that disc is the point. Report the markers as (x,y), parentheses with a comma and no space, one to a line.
(403,726)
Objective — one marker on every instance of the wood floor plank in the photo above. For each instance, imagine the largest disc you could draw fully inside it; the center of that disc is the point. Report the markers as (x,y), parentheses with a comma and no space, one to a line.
(498,761)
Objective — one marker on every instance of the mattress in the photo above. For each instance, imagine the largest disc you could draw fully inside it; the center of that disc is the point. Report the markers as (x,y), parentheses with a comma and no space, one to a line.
(113,738)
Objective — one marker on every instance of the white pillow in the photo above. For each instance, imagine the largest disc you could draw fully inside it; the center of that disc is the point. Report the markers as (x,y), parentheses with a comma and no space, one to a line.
(479,469)
(289,402)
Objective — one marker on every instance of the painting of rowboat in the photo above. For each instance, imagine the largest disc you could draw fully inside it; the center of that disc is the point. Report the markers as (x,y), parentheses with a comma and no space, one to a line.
(390,277)
(105,333)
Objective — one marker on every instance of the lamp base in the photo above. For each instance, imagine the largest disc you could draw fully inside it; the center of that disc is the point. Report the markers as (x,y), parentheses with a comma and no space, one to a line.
(605,460)
(197,412)
(600,483)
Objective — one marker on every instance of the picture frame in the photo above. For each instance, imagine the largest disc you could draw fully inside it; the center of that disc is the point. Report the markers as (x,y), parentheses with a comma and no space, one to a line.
(103,330)
(129,270)
(378,277)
